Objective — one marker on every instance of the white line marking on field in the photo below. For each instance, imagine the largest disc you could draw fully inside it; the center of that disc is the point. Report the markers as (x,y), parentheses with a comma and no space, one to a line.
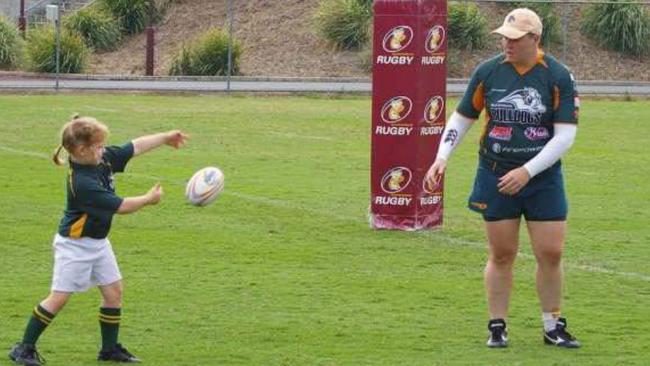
(23,152)
(287,204)
(100,109)
(292,135)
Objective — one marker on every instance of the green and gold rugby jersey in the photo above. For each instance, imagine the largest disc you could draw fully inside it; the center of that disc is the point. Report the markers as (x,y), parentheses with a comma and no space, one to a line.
(521,106)
(91,198)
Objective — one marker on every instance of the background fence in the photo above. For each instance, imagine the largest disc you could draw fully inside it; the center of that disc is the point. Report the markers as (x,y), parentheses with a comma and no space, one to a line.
(282,39)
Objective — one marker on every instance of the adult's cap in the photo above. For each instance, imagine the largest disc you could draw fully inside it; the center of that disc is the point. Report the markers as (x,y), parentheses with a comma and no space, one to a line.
(520,22)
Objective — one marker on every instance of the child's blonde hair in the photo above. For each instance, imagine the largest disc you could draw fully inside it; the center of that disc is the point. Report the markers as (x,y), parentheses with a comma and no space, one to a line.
(79,131)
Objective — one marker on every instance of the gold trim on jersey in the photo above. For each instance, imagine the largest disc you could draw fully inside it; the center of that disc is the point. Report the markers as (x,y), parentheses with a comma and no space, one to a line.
(71,180)
(556,98)
(478,98)
(77,227)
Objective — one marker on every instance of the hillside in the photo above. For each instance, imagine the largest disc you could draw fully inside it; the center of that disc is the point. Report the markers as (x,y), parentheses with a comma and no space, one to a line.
(279,39)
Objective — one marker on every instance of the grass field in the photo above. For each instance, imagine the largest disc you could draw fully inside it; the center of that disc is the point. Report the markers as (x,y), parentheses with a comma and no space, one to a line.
(284,270)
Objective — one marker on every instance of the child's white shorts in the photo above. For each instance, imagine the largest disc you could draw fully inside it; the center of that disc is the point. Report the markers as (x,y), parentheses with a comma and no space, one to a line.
(80,264)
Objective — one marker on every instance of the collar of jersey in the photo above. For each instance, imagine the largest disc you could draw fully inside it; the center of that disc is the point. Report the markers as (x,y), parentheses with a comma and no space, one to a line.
(540,61)
(78,166)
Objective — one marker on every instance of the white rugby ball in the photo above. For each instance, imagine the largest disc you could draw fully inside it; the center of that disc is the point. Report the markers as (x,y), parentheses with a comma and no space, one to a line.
(204,186)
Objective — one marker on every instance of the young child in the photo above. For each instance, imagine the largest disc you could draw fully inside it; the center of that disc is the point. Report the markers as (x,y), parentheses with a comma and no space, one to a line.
(83,256)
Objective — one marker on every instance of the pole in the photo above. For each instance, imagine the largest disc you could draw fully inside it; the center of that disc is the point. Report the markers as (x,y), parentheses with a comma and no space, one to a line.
(565,25)
(151,32)
(230,21)
(57,23)
(150,51)
(22,21)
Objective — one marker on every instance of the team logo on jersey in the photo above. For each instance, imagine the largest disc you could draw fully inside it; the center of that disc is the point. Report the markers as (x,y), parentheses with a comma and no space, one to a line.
(396,179)
(433,109)
(397,38)
(536,133)
(435,38)
(396,109)
(523,106)
(503,133)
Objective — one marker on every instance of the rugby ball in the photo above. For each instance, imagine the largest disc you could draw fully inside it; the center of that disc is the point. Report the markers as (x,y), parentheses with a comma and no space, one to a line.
(204,186)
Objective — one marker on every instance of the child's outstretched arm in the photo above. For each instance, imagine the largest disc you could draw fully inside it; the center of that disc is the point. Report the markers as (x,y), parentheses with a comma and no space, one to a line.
(132,204)
(175,139)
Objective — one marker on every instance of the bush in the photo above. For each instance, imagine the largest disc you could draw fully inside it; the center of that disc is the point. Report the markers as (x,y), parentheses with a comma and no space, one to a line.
(552,32)
(365,58)
(99,29)
(206,56)
(133,15)
(467,28)
(621,27)
(344,22)
(11,46)
(41,51)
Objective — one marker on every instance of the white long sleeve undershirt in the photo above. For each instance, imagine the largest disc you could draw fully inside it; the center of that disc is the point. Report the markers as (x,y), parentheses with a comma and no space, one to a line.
(563,137)
(456,128)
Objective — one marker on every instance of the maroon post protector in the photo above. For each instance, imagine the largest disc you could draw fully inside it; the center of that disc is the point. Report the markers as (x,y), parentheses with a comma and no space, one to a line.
(408,112)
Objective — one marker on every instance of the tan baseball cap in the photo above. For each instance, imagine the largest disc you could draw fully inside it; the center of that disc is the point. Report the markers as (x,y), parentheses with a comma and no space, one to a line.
(520,22)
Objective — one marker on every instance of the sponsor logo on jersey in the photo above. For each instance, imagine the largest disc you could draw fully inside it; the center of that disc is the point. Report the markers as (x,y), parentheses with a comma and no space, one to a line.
(503,133)
(522,106)
(536,133)
(496,148)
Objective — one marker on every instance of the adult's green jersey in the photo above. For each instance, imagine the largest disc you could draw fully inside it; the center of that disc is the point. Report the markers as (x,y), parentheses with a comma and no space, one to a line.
(521,106)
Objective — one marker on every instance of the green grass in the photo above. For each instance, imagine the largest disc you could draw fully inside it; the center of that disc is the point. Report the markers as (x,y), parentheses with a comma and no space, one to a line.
(283,269)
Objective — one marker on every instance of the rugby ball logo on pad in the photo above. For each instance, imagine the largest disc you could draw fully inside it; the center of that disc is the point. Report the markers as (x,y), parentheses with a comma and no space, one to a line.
(204,186)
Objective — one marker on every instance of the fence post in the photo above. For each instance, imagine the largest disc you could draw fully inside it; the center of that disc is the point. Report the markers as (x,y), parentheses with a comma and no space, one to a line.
(22,21)
(565,26)
(230,21)
(150,47)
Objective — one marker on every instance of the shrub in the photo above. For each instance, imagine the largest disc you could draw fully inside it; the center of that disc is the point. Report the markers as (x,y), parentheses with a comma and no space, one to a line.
(467,27)
(207,56)
(621,27)
(11,46)
(365,58)
(99,29)
(344,22)
(41,51)
(133,15)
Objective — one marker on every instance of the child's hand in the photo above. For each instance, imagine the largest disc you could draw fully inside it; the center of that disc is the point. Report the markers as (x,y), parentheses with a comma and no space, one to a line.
(155,194)
(176,138)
